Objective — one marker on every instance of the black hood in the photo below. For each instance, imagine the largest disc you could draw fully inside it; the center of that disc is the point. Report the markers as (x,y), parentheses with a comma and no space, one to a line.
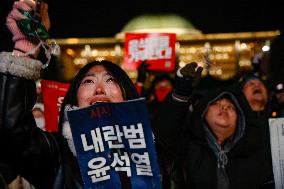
(197,125)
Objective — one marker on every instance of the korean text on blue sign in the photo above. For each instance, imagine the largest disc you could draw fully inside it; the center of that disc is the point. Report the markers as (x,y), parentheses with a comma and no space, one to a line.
(114,139)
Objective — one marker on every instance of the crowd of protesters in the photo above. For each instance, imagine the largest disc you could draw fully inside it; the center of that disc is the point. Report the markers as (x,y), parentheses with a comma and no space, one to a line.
(214,139)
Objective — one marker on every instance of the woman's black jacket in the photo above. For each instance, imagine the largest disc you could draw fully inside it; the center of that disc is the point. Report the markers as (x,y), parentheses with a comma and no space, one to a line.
(25,149)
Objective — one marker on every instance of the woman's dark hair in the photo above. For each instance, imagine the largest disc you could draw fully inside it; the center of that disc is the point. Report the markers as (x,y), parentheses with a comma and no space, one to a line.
(126,85)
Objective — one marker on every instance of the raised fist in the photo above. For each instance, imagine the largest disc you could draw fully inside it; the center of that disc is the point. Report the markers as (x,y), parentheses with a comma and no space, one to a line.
(142,71)
(22,43)
(186,79)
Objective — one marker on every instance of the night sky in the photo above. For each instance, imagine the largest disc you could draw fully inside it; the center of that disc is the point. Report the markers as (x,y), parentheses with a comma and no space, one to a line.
(92,18)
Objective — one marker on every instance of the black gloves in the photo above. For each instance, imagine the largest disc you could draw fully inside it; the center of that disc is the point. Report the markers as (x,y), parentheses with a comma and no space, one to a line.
(142,71)
(186,79)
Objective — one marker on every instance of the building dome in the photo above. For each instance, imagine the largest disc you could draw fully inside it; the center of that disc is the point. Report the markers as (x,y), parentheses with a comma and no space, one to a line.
(170,23)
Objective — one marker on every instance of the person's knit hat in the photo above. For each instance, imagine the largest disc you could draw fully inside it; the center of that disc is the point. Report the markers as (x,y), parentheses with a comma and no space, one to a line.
(247,77)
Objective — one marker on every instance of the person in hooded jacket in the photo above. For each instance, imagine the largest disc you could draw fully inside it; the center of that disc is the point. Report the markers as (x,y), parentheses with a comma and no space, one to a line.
(257,102)
(256,93)
(255,98)
(211,137)
(48,160)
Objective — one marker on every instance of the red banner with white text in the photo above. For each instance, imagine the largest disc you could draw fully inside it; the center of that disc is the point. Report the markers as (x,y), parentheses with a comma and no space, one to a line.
(53,95)
(157,48)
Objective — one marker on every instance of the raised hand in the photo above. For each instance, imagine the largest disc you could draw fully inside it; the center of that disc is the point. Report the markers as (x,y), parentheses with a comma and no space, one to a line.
(142,71)
(186,79)
(22,43)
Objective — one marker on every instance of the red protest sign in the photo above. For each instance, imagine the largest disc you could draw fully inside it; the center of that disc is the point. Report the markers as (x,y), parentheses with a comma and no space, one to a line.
(53,95)
(157,48)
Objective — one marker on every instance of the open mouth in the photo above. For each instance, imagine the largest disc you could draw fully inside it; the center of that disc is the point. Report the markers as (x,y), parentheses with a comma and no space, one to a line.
(257,91)
(97,102)
(98,99)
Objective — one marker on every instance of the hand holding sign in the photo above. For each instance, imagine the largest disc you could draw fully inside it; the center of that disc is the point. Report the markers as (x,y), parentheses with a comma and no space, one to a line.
(113,139)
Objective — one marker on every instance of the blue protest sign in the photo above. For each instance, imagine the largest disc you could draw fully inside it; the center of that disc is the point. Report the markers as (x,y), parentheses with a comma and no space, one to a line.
(112,139)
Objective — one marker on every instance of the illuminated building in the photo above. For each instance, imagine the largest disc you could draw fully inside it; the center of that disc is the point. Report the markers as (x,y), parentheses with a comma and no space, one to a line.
(223,55)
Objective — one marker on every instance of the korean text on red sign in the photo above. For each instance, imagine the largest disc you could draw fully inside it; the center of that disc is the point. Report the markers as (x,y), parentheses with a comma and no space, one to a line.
(157,48)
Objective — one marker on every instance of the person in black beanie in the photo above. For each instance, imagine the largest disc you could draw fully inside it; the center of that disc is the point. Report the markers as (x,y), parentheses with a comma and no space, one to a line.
(255,91)
(257,102)
(211,137)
